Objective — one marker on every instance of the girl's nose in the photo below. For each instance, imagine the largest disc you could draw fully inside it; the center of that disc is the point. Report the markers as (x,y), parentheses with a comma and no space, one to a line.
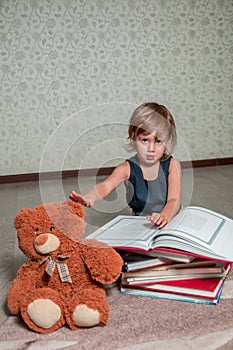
(151,146)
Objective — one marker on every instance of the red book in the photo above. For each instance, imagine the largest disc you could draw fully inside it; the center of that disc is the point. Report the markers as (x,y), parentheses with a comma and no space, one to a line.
(202,287)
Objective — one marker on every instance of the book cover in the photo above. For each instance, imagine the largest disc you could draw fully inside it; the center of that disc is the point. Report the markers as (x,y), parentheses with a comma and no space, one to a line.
(134,262)
(171,296)
(153,272)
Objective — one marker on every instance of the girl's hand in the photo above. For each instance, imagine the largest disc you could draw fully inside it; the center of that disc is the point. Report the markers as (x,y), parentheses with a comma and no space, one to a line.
(76,197)
(158,219)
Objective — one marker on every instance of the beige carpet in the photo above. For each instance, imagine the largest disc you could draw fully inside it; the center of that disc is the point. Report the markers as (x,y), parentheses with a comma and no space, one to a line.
(137,323)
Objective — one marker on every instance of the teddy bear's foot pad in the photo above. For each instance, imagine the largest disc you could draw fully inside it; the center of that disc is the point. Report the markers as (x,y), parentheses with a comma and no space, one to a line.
(83,316)
(44,312)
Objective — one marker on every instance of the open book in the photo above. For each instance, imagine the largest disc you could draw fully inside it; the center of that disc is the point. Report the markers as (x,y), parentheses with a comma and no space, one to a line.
(194,230)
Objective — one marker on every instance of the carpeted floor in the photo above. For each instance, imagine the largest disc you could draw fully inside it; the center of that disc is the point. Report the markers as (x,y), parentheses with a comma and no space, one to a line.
(137,323)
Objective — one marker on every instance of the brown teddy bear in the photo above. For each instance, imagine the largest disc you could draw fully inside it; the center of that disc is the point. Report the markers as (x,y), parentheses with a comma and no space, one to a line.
(63,280)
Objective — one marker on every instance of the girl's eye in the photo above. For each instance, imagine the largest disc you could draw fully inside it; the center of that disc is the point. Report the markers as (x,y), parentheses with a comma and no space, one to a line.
(144,140)
(52,228)
(159,142)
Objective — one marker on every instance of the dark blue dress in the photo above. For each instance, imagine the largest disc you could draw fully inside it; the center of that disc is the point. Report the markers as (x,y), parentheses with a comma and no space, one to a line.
(145,197)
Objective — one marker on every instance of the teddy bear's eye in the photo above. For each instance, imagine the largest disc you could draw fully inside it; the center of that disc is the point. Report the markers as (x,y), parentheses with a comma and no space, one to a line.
(52,228)
(36,230)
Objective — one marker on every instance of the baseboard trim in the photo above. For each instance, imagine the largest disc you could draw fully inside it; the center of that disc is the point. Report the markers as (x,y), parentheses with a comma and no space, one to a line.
(207,162)
(101,172)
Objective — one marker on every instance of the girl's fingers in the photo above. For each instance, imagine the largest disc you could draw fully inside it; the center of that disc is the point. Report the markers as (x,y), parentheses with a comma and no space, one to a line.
(157,219)
(76,197)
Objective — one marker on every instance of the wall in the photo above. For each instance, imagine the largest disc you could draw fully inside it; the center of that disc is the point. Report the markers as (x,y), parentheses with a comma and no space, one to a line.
(72,72)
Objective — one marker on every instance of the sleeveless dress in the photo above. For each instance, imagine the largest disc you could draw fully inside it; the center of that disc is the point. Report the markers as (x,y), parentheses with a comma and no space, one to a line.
(145,197)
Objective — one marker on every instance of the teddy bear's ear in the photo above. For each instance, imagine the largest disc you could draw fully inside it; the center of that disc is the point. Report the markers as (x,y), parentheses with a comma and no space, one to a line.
(77,208)
(23,216)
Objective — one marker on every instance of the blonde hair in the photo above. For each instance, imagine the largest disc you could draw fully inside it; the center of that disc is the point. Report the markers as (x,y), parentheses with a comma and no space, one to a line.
(152,117)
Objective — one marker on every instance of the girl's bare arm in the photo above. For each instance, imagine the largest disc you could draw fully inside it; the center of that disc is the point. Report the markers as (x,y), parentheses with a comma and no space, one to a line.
(101,190)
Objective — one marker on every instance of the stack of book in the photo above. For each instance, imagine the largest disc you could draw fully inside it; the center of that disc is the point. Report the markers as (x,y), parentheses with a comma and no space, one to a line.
(188,260)
(200,280)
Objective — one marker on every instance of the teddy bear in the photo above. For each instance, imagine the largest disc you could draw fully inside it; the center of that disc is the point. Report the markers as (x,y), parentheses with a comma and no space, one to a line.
(63,282)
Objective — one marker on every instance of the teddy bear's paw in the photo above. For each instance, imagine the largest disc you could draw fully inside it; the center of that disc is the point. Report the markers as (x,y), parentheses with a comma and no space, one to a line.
(83,316)
(44,313)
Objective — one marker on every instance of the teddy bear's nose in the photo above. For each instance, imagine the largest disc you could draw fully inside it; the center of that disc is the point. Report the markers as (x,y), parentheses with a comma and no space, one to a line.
(46,243)
(40,240)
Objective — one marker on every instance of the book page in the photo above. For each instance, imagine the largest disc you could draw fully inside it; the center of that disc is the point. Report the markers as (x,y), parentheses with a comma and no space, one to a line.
(127,231)
(196,224)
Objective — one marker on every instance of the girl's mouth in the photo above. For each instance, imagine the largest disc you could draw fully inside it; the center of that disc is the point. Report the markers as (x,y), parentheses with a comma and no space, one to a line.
(150,157)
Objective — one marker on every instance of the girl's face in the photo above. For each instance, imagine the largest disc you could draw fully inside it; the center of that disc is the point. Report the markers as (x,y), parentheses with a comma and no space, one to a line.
(150,148)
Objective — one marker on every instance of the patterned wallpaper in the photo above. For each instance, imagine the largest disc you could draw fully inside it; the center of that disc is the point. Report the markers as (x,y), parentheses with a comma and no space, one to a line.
(72,71)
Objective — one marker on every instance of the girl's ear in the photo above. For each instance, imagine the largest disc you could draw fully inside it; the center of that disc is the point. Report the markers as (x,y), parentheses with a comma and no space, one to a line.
(130,147)
(133,143)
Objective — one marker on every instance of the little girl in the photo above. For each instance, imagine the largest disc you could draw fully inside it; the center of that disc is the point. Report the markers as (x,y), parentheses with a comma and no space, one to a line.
(152,177)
